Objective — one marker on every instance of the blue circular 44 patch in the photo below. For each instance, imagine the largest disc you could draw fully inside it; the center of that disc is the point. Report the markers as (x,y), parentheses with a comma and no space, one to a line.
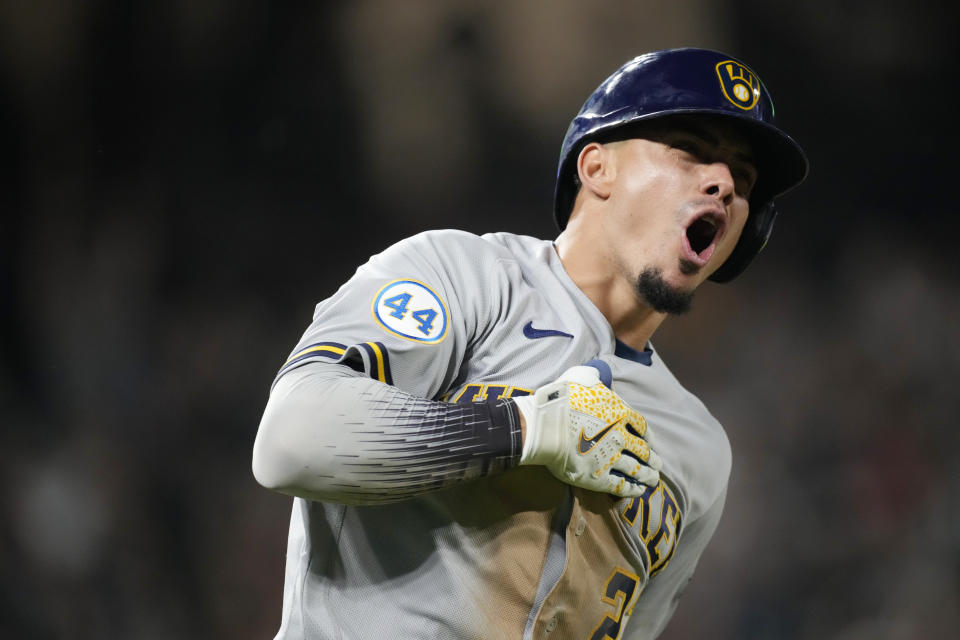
(412,310)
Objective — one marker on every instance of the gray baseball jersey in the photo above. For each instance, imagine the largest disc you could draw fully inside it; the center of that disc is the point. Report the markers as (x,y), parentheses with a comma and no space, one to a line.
(444,539)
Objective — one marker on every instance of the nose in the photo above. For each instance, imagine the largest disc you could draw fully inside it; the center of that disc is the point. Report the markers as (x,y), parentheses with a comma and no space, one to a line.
(718,182)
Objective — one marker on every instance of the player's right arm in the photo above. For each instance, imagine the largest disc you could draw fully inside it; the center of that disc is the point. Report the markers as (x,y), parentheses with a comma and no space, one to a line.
(351,417)
(331,434)
(354,414)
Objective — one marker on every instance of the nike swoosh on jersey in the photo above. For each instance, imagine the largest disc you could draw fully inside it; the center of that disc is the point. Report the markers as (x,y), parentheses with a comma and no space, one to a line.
(533,334)
(585,444)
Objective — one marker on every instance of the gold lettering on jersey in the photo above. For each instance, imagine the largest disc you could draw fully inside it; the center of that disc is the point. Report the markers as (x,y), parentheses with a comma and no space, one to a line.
(477,392)
(490,391)
(621,593)
(655,517)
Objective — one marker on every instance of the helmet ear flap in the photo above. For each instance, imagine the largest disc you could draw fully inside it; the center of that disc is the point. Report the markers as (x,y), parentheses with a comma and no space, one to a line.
(753,239)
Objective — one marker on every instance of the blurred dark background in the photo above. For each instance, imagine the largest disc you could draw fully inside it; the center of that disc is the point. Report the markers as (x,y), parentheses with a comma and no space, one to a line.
(183,181)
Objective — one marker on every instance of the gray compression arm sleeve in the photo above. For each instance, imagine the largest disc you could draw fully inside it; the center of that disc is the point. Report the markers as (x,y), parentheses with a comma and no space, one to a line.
(329,433)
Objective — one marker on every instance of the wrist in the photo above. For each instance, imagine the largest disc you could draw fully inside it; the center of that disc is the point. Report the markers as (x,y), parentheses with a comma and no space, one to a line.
(537,448)
(505,415)
(525,408)
(523,428)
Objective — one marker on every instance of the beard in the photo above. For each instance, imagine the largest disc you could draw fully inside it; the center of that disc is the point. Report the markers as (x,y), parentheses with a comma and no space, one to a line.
(660,296)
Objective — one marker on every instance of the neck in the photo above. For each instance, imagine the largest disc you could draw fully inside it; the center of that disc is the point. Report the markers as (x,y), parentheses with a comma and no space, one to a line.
(607,286)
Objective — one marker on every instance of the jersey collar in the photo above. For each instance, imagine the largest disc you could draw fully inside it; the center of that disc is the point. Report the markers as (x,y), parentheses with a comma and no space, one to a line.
(625,351)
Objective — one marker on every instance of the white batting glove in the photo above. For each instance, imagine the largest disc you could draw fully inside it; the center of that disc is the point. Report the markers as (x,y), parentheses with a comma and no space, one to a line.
(583,433)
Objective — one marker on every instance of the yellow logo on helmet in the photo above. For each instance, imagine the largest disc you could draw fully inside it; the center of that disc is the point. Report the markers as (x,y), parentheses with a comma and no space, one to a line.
(740,85)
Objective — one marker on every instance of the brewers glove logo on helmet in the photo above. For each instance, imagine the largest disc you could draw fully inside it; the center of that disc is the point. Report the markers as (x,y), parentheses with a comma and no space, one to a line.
(740,85)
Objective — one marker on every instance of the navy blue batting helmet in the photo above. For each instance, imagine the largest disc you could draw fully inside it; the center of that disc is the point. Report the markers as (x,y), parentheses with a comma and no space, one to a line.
(690,81)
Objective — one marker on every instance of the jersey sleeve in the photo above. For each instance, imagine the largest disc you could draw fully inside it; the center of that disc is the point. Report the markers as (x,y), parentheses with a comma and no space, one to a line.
(408,316)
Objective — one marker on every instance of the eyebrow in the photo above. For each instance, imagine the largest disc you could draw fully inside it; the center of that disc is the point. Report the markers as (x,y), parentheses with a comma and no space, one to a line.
(709,138)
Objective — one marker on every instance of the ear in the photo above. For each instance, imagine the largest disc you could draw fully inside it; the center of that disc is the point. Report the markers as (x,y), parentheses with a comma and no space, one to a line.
(597,169)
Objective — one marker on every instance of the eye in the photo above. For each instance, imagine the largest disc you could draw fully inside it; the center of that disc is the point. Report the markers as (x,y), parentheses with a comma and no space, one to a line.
(689,149)
(687,146)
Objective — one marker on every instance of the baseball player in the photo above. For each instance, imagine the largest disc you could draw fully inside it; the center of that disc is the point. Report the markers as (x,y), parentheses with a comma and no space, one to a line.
(481,440)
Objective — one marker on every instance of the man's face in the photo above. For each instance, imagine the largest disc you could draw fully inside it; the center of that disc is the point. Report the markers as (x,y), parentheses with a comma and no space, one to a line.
(677,206)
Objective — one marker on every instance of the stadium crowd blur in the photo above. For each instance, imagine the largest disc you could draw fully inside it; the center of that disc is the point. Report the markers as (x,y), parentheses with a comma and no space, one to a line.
(183,181)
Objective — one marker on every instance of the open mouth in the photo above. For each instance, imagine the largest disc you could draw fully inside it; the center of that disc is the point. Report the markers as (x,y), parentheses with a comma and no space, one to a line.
(701,234)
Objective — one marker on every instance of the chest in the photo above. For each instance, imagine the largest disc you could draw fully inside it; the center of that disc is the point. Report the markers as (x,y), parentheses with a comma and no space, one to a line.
(537,335)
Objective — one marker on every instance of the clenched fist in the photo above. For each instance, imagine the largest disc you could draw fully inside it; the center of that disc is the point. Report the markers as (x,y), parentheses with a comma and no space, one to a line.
(587,436)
